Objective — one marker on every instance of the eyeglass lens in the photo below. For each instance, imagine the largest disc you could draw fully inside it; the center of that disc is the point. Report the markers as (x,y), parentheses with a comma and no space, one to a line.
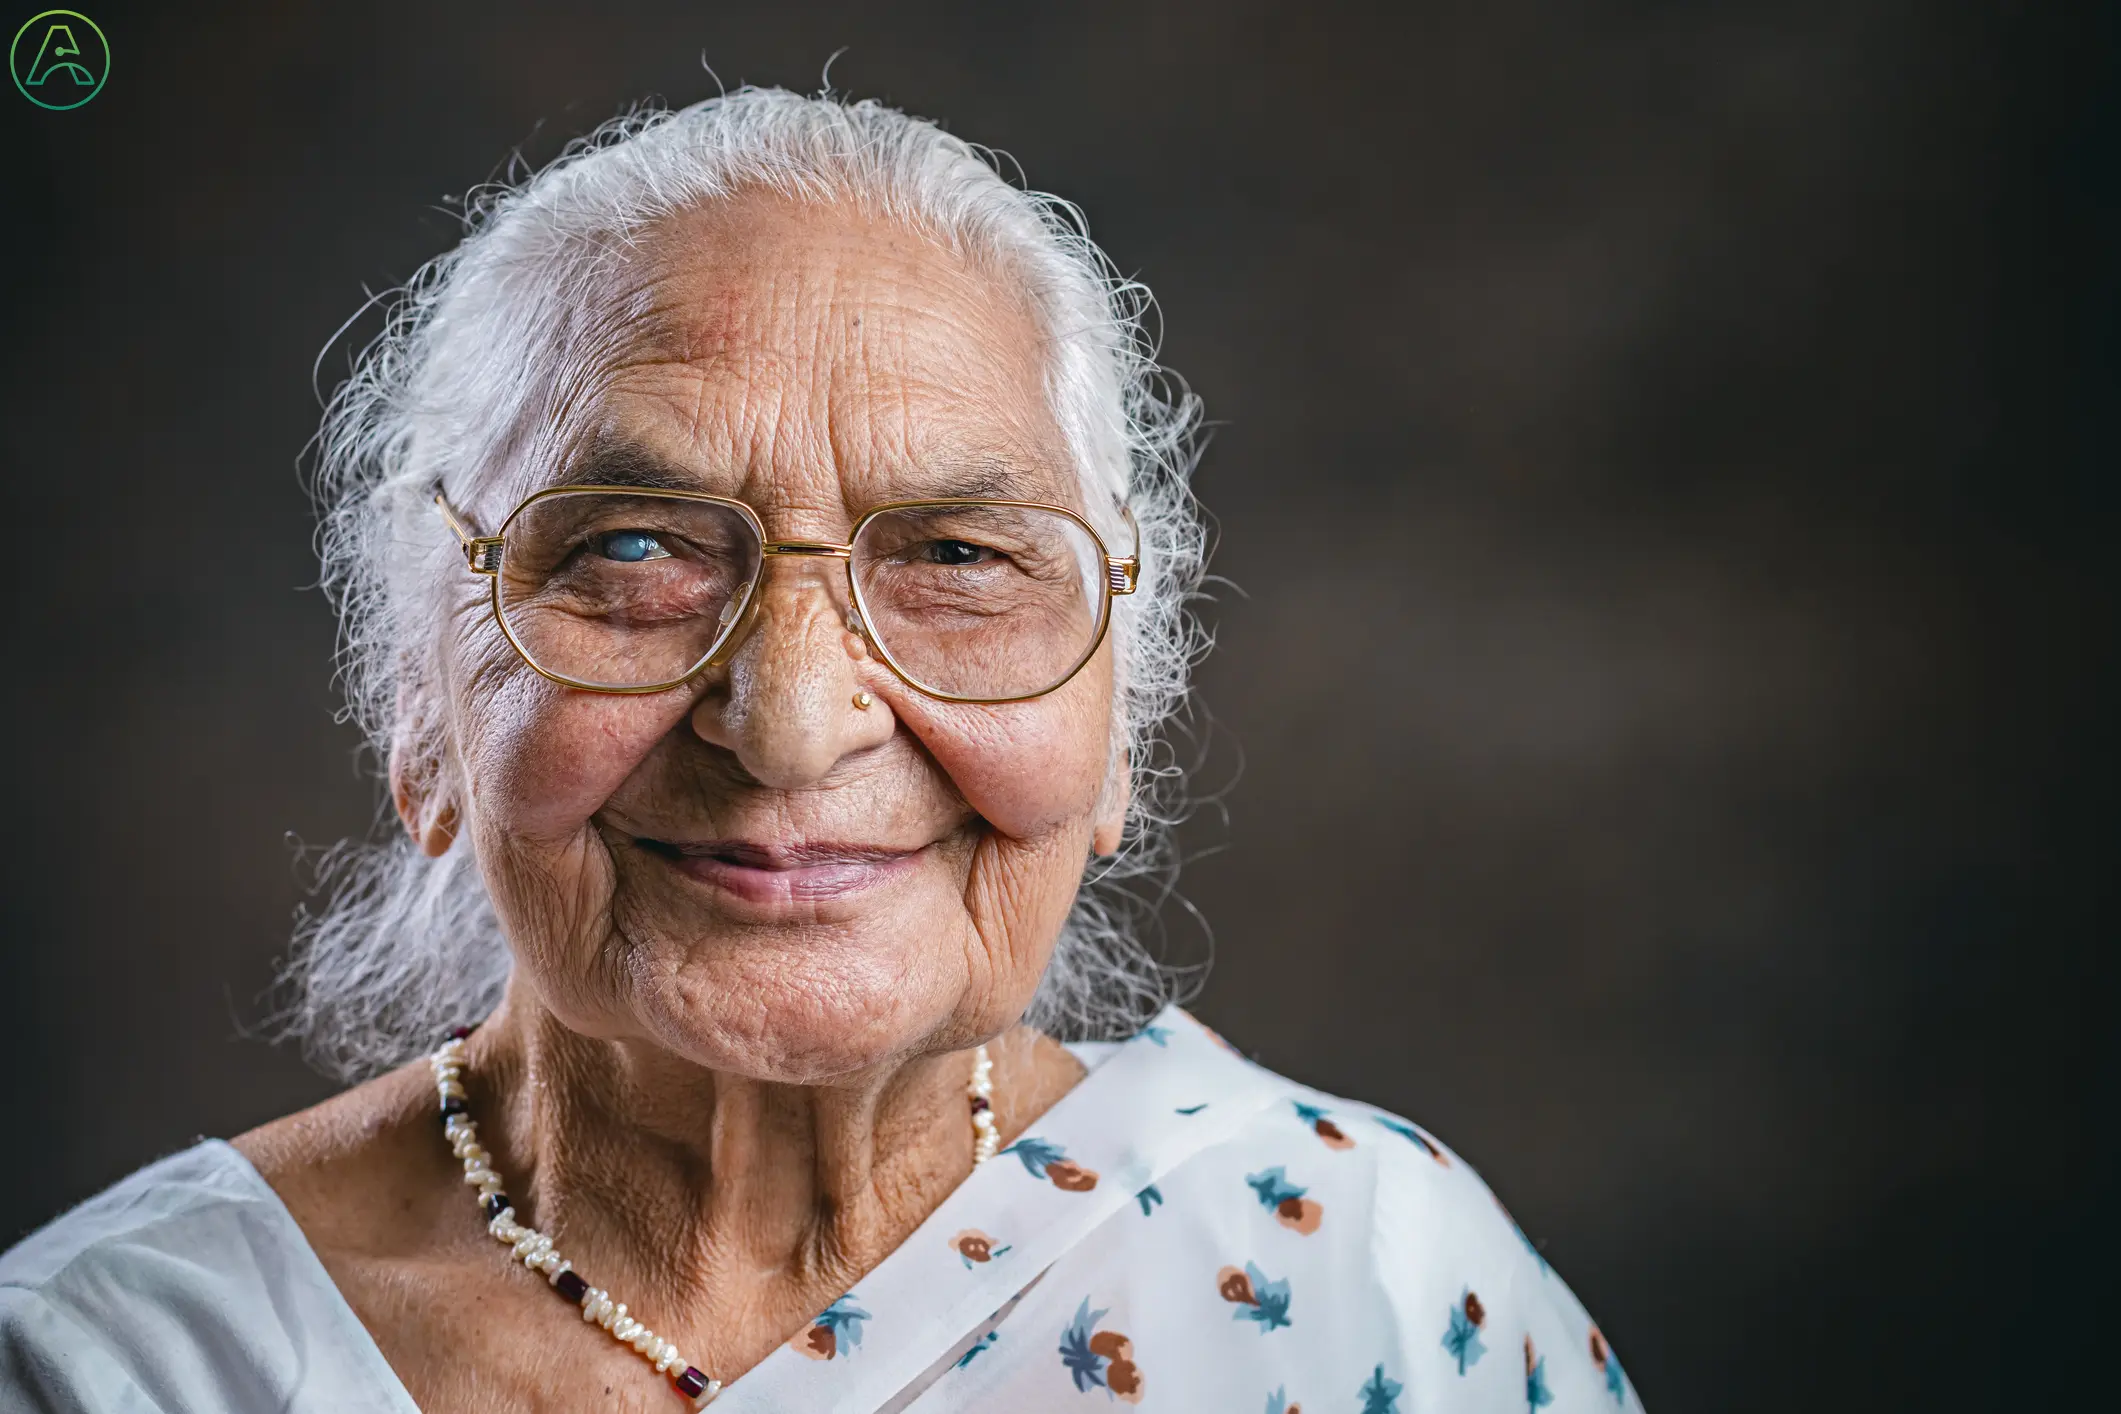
(627,591)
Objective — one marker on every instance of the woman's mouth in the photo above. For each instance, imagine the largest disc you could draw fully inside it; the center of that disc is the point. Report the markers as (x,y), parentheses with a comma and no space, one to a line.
(783,873)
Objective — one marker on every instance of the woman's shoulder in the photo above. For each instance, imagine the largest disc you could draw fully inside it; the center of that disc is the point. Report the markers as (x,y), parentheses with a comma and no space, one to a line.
(358,1169)
(1414,1195)
(1417,1188)
(181,1204)
(183,1286)
(202,1281)
(1376,1225)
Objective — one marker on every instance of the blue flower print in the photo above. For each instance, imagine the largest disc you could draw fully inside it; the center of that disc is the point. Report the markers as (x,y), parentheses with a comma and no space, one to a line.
(1322,1126)
(1616,1383)
(1082,1363)
(1190,1110)
(1100,1359)
(1158,1034)
(1536,1392)
(1278,1402)
(1418,1139)
(1461,1338)
(1380,1395)
(837,1331)
(1286,1201)
(1149,1197)
(977,1346)
(1256,1297)
(1042,1158)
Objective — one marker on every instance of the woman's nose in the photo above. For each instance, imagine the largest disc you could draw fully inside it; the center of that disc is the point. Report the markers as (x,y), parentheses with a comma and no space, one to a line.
(785,705)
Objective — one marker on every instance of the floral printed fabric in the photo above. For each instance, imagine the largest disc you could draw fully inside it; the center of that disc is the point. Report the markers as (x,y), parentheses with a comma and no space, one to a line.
(1188,1231)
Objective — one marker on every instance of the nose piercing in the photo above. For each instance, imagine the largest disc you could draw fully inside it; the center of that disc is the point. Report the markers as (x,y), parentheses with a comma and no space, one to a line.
(862,701)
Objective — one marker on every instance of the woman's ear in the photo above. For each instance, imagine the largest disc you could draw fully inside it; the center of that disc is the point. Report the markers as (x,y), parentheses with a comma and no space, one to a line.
(1118,794)
(428,814)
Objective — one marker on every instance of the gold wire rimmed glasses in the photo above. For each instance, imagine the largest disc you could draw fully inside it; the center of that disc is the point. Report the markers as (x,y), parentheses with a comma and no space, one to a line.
(636,590)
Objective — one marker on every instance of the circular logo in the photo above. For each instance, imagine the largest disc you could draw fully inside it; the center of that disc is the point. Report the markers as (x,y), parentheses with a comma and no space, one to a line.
(59,59)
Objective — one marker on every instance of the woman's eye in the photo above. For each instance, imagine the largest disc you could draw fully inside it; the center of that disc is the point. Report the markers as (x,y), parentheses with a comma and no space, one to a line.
(629,546)
(955,552)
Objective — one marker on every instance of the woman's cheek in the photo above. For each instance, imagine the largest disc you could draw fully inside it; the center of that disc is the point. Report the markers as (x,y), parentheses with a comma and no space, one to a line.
(1027,768)
(544,759)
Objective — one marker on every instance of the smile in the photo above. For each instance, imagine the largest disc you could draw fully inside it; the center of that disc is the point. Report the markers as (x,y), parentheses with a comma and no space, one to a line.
(767,873)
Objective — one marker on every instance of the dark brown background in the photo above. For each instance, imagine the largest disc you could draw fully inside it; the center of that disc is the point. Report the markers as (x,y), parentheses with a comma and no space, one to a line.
(1665,451)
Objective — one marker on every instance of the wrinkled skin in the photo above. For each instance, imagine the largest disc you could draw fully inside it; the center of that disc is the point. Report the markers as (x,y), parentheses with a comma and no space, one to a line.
(756,928)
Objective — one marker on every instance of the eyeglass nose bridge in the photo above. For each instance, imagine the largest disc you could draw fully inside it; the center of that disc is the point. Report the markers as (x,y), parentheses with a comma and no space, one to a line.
(743,614)
(824,548)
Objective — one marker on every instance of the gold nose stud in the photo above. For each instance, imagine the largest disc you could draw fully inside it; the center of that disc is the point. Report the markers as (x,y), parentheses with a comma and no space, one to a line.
(862,701)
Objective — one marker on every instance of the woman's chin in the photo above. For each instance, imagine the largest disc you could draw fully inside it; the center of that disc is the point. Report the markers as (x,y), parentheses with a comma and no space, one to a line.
(807,1016)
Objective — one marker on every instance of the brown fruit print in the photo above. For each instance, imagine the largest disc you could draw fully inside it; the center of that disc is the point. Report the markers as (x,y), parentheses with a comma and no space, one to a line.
(973,1245)
(1122,1376)
(1530,1359)
(817,1342)
(1597,1348)
(1299,1214)
(1233,1285)
(1475,1312)
(1333,1136)
(1072,1177)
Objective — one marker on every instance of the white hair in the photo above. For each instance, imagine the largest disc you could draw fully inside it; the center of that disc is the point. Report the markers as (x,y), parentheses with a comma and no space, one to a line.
(472,349)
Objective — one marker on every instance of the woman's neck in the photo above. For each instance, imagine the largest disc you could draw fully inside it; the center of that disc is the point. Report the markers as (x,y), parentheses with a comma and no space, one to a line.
(699,1189)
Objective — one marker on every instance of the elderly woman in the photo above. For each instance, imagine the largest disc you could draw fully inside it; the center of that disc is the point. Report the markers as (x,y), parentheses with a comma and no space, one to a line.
(763,545)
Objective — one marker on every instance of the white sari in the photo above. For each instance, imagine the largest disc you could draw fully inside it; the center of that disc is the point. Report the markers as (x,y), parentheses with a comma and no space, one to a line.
(1183,1231)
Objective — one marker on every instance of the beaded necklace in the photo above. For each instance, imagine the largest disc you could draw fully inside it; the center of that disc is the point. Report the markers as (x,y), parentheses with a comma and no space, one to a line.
(535,1250)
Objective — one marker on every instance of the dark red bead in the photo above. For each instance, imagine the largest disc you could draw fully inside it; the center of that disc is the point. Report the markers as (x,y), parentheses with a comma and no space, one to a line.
(458,1033)
(692,1384)
(570,1285)
(494,1205)
(453,1106)
(979,1102)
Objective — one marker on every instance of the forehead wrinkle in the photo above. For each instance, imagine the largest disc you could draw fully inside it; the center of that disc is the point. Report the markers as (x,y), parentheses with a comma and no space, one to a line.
(906,398)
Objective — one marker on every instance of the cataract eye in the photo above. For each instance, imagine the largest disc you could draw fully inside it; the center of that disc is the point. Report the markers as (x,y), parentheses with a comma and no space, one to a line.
(630,546)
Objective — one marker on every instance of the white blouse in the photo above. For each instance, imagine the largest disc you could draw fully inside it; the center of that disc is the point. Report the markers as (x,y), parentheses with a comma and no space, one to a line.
(1184,1230)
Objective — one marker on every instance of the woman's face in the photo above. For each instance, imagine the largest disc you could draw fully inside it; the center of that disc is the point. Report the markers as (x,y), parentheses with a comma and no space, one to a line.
(749,870)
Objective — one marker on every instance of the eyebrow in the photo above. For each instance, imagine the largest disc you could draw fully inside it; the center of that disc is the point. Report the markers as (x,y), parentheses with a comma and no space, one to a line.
(975,479)
(632,465)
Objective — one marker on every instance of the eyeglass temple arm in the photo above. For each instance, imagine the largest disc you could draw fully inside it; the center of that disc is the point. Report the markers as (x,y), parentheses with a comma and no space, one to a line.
(1123,575)
(481,552)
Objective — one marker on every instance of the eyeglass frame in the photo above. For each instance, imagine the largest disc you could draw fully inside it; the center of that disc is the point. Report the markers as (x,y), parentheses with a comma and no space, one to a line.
(483,555)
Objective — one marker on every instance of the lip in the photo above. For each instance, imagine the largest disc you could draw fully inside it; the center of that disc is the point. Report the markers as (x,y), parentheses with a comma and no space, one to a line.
(766,873)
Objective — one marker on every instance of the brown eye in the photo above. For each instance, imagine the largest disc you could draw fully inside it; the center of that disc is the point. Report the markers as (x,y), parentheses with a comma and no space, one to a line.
(955,552)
